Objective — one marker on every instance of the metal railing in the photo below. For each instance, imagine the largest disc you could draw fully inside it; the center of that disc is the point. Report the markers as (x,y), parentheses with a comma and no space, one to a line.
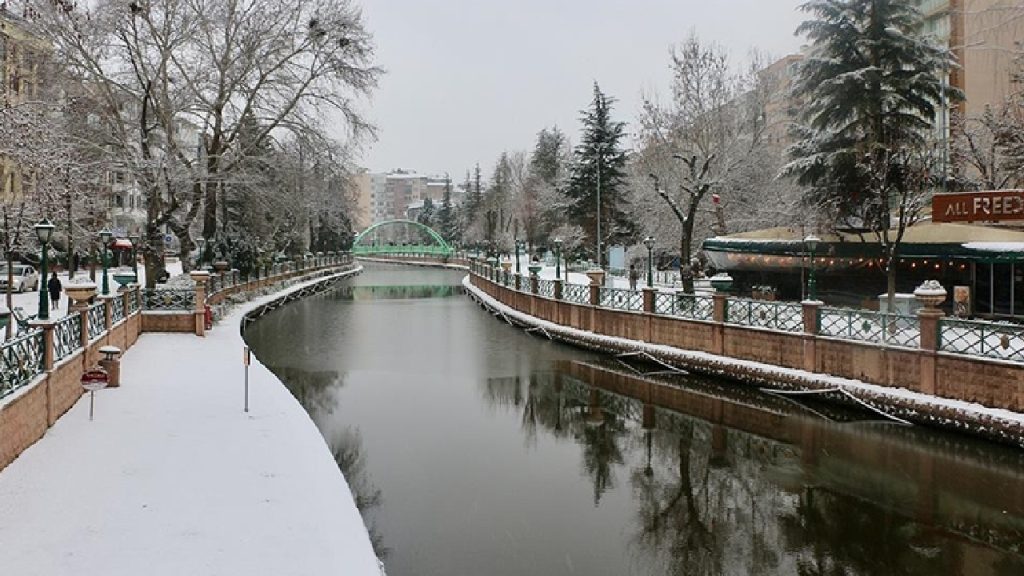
(179,299)
(577,293)
(21,360)
(784,316)
(978,338)
(117,312)
(67,336)
(546,288)
(870,326)
(133,302)
(684,305)
(97,320)
(622,299)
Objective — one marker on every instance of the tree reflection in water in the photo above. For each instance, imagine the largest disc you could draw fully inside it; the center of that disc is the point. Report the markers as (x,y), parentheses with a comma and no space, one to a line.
(711,499)
(347,448)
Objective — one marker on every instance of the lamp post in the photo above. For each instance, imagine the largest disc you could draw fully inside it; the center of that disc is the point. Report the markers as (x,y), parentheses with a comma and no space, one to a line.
(649,242)
(558,258)
(44,232)
(134,239)
(519,246)
(811,242)
(105,236)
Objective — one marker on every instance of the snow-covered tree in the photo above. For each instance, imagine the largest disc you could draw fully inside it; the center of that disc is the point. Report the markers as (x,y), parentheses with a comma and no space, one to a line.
(599,168)
(705,139)
(870,86)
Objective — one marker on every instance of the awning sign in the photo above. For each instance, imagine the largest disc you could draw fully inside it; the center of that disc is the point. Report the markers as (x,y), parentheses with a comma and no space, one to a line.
(991,206)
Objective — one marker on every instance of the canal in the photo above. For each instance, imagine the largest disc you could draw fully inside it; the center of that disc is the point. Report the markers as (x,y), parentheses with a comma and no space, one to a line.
(475,449)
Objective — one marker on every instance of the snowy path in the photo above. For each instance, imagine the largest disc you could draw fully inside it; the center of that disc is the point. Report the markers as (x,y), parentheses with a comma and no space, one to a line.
(173,478)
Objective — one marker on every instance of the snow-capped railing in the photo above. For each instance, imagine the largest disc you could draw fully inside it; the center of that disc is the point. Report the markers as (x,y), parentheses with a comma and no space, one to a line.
(976,338)
(622,299)
(162,299)
(67,336)
(21,360)
(870,326)
(784,316)
(97,319)
(690,306)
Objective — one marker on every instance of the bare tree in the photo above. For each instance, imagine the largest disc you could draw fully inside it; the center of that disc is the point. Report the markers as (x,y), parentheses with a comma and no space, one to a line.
(711,127)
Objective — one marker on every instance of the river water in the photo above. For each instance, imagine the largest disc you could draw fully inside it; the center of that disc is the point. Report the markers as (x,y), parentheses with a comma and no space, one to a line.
(475,449)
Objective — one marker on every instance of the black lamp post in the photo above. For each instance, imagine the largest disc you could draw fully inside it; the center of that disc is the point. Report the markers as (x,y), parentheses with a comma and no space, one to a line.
(105,236)
(44,232)
(649,242)
(558,258)
(134,239)
(811,242)
(520,246)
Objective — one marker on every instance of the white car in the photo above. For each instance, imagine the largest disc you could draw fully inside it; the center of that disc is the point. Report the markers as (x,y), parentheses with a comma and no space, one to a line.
(25,278)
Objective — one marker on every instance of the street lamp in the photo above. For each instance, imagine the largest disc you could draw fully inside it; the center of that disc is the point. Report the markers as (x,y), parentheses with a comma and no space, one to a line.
(519,246)
(811,242)
(44,232)
(105,236)
(649,242)
(134,239)
(558,258)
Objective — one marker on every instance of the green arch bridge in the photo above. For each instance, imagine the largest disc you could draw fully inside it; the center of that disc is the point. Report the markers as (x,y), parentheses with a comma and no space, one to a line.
(400,238)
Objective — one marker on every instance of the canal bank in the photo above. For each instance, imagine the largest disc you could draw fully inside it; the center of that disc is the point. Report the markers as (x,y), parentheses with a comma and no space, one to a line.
(995,424)
(173,477)
(486,450)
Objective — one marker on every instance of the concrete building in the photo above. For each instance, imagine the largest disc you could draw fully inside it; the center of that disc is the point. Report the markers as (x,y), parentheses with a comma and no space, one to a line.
(390,196)
(20,80)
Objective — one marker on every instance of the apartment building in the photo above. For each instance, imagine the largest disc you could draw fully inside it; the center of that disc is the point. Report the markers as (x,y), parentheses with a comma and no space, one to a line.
(20,80)
(390,196)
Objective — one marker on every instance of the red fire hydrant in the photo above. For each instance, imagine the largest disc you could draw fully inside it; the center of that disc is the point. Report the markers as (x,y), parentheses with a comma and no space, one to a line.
(208,316)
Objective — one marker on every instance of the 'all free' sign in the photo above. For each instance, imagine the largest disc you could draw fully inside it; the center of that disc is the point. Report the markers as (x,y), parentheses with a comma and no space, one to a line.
(992,206)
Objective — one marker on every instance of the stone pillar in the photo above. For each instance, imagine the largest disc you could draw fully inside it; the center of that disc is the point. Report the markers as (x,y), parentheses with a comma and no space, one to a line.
(558,289)
(720,304)
(519,282)
(84,336)
(929,320)
(811,313)
(595,294)
(648,300)
(200,277)
(534,284)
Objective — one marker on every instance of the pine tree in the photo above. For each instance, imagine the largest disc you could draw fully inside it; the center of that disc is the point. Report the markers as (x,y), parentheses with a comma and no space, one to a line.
(426,216)
(447,226)
(599,167)
(871,85)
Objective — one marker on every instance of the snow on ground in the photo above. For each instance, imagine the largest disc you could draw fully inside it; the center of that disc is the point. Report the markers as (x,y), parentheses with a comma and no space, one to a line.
(174,478)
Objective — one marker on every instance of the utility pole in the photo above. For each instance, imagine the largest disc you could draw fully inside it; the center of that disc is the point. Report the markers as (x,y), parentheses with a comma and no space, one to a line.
(600,152)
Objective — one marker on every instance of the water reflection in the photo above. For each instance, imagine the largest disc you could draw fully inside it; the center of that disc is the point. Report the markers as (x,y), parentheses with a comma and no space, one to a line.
(479,450)
(731,481)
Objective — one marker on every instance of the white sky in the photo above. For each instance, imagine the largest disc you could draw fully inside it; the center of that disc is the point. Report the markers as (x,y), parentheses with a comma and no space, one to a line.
(468,79)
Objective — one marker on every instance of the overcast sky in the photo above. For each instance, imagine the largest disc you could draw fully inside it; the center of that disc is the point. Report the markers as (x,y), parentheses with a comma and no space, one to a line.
(468,79)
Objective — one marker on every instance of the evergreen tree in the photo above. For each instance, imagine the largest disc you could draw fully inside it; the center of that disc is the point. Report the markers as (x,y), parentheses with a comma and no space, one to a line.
(599,163)
(447,226)
(426,216)
(871,85)
(546,160)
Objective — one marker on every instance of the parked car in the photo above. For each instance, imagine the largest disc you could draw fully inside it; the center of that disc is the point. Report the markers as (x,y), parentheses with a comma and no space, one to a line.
(25,278)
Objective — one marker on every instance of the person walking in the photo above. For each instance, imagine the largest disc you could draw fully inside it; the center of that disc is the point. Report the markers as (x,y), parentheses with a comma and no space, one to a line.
(55,288)
(633,276)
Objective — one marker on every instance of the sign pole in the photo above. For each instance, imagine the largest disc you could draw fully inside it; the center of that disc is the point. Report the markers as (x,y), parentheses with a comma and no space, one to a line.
(245,360)
(93,380)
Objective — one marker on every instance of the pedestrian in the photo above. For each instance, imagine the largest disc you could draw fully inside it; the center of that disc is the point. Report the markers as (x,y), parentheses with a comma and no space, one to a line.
(633,276)
(55,288)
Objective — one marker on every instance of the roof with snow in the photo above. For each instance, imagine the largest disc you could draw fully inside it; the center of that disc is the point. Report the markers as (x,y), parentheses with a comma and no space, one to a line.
(923,240)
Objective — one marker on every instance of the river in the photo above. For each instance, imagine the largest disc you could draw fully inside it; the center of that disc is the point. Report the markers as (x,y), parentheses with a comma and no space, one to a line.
(476,449)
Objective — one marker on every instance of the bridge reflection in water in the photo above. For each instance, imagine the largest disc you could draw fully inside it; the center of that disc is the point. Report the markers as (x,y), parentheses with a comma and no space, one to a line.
(489,451)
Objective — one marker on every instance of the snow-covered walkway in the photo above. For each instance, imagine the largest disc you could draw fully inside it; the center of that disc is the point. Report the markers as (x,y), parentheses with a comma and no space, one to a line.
(174,478)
